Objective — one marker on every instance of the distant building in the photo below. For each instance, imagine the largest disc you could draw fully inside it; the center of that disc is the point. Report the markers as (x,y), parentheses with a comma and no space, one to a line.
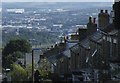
(20,11)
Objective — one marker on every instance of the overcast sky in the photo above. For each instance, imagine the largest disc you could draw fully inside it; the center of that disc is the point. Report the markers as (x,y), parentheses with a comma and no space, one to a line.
(57,0)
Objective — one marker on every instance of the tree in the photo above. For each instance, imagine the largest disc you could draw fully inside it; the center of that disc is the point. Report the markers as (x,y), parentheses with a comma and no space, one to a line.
(13,49)
(17,45)
(18,74)
(29,69)
(11,58)
(8,61)
(44,68)
(18,54)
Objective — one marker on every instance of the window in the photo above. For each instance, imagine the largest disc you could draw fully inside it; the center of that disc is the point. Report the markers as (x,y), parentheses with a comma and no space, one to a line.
(103,37)
(109,39)
(114,40)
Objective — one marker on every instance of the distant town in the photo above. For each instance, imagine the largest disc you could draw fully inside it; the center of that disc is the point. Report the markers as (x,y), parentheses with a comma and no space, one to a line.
(52,22)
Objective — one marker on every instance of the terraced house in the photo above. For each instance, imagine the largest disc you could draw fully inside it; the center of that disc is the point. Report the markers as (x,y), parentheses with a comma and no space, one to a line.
(92,51)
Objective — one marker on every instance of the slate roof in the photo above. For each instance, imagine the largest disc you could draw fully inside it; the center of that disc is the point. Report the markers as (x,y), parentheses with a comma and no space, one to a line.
(56,50)
(85,43)
(75,48)
(56,53)
(96,37)
(55,57)
(110,29)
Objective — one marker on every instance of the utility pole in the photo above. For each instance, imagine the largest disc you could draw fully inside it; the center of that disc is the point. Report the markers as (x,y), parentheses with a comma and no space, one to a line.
(32,66)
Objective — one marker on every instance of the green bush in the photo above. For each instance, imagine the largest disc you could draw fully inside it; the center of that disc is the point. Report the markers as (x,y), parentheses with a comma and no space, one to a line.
(18,74)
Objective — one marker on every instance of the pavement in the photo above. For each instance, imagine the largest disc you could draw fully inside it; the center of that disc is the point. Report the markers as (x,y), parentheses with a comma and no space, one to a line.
(110,81)
(0,77)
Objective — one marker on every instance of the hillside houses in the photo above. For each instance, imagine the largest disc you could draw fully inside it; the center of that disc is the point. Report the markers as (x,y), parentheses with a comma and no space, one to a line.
(93,51)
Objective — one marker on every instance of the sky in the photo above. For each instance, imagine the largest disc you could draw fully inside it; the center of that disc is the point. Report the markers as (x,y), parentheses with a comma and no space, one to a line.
(57,0)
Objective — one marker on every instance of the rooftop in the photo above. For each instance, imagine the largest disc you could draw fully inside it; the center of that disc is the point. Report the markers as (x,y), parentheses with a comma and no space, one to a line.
(96,37)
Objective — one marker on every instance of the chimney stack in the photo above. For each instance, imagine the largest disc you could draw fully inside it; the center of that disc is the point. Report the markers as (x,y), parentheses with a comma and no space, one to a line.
(101,11)
(65,40)
(94,20)
(90,19)
(91,26)
(82,33)
(106,11)
(103,19)
(67,37)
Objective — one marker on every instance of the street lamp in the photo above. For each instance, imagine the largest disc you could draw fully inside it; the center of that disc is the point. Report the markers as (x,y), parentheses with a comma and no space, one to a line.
(33,62)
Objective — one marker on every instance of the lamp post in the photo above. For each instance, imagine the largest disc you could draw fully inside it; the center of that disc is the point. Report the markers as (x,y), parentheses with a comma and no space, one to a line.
(33,62)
